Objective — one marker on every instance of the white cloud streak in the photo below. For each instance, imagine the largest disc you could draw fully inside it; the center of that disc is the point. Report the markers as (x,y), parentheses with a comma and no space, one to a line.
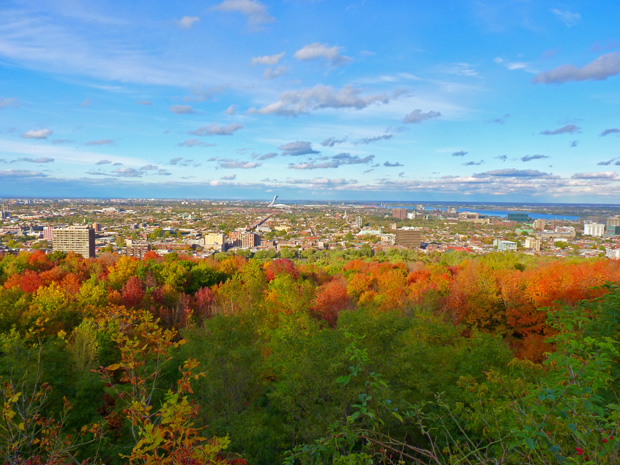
(603,67)
(317,50)
(306,100)
(268,60)
(186,22)
(217,130)
(418,116)
(255,12)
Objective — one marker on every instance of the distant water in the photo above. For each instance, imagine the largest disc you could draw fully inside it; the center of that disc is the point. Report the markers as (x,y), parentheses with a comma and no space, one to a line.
(534,216)
(504,213)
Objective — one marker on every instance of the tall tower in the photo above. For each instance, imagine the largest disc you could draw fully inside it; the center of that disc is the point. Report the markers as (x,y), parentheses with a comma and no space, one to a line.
(78,239)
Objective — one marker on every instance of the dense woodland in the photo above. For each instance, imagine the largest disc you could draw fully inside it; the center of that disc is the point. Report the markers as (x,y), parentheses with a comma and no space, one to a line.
(331,359)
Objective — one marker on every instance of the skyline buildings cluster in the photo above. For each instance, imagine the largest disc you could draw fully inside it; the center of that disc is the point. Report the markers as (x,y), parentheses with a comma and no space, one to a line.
(469,100)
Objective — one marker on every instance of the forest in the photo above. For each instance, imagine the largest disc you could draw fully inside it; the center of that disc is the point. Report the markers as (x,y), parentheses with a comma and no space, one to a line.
(502,358)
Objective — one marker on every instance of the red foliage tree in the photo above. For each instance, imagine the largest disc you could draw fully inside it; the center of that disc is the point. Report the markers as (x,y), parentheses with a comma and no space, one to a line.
(151,255)
(330,299)
(38,261)
(56,274)
(279,266)
(204,303)
(71,283)
(132,292)
(28,281)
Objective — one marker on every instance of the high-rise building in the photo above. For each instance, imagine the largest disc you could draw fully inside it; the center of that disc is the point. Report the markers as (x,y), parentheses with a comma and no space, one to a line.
(399,213)
(532,243)
(359,221)
(47,233)
(593,229)
(77,239)
(249,240)
(613,221)
(411,238)
(539,225)
(553,224)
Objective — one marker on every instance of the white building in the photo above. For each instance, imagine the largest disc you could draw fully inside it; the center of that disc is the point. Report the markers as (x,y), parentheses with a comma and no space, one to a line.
(594,229)
(613,254)
(214,241)
(532,243)
(506,245)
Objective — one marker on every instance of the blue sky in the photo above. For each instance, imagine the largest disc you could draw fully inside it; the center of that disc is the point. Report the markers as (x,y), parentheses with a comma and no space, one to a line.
(481,100)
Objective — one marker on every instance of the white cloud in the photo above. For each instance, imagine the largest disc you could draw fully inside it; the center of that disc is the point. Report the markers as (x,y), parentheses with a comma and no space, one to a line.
(21,174)
(418,116)
(314,166)
(182,109)
(271,73)
(187,22)
(194,143)
(75,156)
(331,141)
(268,60)
(217,130)
(461,69)
(265,156)
(37,134)
(297,102)
(54,46)
(100,142)
(335,162)
(516,65)
(231,110)
(601,175)
(322,183)
(598,70)
(317,50)
(568,129)
(200,93)
(513,173)
(128,172)
(537,156)
(8,102)
(370,140)
(299,147)
(234,164)
(35,160)
(569,18)
(255,12)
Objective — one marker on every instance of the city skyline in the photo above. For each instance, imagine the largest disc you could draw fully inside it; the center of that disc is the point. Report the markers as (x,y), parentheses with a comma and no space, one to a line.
(467,101)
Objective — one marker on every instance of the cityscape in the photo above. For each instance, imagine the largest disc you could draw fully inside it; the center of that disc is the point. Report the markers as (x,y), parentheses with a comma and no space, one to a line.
(299,230)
